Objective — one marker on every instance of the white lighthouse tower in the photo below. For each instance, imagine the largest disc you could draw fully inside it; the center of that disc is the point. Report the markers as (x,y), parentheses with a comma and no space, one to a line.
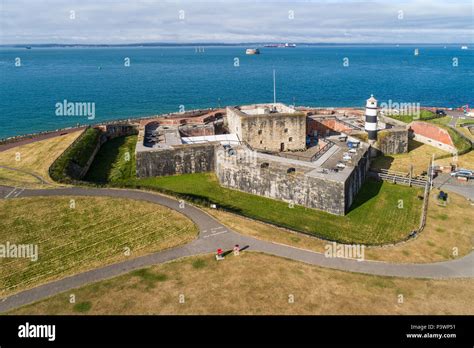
(371,119)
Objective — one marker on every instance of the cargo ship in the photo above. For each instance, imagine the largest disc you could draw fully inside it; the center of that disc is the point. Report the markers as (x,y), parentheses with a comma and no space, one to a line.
(284,45)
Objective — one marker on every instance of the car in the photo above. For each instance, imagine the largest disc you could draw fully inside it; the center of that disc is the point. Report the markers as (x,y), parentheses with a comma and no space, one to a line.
(463,173)
(441,112)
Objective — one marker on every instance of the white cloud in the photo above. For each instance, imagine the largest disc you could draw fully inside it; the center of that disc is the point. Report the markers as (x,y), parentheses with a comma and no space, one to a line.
(121,21)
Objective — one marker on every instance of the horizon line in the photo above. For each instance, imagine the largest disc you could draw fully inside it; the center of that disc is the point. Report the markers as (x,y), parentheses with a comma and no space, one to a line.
(228,43)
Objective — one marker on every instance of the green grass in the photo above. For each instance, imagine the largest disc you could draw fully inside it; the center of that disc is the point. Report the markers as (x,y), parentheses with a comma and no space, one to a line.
(115,161)
(79,153)
(461,144)
(425,115)
(462,122)
(199,263)
(370,220)
(93,232)
(82,307)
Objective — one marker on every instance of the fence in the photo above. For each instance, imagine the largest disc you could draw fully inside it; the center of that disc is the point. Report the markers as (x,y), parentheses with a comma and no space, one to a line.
(399,177)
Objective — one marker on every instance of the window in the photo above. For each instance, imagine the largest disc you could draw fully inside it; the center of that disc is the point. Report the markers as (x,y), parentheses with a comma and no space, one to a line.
(260,132)
(261,141)
(290,139)
(264,165)
(286,130)
(291,170)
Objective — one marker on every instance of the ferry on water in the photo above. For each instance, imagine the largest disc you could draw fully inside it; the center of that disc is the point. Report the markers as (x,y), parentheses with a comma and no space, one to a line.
(252,51)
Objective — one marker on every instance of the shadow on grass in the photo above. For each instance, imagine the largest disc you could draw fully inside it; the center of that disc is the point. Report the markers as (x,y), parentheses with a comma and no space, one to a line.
(370,189)
(102,165)
(413,145)
(382,162)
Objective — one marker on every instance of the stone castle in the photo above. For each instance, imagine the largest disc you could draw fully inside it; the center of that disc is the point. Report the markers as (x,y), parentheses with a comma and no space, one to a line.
(316,158)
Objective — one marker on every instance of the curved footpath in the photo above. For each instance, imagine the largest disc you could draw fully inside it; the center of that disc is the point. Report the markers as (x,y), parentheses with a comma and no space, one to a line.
(212,235)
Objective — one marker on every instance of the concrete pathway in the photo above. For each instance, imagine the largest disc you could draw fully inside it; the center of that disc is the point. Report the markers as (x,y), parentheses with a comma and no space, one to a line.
(212,235)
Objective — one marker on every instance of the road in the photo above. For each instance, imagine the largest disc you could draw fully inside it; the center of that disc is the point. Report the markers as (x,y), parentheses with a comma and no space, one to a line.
(449,183)
(212,235)
(455,115)
(38,137)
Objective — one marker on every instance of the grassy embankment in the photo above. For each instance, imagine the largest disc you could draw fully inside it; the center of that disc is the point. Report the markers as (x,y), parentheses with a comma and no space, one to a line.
(370,220)
(88,232)
(114,162)
(33,158)
(252,284)
(78,155)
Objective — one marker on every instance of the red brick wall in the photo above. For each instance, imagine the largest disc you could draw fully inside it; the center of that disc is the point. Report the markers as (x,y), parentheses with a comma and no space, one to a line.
(431,131)
(323,125)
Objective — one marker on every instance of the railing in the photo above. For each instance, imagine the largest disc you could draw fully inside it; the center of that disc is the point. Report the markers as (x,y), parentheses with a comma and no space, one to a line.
(322,151)
(399,177)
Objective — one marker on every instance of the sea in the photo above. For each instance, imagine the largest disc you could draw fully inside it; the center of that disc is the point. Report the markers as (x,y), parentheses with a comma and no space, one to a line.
(129,82)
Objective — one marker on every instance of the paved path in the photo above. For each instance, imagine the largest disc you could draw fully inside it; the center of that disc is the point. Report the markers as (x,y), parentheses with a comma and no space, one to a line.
(212,235)
(449,183)
(38,137)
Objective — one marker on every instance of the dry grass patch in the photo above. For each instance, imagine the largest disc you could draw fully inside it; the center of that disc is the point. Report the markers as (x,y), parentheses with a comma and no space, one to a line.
(419,156)
(10,177)
(96,231)
(447,227)
(463,161)
(255,283)
(35,157)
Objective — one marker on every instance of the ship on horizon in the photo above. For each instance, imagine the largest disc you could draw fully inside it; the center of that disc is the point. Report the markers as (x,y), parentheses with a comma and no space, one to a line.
(284,45)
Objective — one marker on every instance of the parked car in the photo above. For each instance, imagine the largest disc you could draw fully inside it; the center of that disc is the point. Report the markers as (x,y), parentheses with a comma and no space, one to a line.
(463,173)
(440,112)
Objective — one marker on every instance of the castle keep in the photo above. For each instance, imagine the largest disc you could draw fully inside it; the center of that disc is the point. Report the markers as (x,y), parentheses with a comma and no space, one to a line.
(272,127)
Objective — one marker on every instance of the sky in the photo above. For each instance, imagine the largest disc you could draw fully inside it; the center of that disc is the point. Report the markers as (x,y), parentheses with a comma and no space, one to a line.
(232,21)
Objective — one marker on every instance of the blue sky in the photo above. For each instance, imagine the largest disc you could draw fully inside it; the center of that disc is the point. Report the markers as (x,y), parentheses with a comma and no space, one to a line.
(232,21)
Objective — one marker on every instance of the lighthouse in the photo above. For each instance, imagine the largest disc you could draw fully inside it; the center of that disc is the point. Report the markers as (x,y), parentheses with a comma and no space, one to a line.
(371,119)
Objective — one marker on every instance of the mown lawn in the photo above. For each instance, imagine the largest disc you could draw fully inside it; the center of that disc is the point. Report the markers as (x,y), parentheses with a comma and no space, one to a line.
(88,232)
(374,217)
(424,115)
(258,284)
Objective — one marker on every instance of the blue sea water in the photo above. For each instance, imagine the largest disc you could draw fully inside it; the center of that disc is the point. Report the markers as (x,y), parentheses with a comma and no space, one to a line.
(160,79)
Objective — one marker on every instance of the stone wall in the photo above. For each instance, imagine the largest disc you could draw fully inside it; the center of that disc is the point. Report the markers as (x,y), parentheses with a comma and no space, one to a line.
(392,141)
(180,159)
(274,181)
(356,180)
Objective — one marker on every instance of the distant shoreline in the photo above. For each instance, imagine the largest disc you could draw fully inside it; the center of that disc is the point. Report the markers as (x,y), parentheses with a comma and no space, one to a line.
(218,44)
